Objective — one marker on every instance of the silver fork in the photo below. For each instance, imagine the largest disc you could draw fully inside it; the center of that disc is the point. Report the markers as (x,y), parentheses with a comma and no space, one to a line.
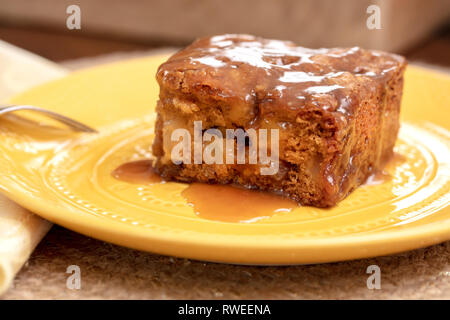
(72,124)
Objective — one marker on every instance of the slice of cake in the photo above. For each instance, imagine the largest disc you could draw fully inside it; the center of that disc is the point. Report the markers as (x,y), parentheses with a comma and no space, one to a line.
(333,115)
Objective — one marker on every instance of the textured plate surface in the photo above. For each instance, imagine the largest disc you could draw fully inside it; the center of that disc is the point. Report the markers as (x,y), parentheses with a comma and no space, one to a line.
(67,179)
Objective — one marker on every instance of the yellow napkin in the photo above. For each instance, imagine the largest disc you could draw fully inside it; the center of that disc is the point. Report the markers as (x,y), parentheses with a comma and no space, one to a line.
(20,230)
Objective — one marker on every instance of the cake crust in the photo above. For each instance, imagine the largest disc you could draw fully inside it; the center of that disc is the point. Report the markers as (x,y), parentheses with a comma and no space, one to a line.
(337,111)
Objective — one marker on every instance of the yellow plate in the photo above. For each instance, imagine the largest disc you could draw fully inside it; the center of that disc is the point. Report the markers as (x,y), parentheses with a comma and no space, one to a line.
(67,179)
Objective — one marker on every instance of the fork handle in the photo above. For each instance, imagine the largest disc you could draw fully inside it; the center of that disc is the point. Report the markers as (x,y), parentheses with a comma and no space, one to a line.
(73,124)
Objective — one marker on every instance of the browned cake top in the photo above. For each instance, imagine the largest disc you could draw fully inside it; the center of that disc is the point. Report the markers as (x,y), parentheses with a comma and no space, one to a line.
(243,70)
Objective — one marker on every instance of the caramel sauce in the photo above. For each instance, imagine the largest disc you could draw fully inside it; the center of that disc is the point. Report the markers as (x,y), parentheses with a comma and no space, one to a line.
(213,201)
(378,177)
(244,68)
(234,204)
(141,172)
(383,176)
(230,203)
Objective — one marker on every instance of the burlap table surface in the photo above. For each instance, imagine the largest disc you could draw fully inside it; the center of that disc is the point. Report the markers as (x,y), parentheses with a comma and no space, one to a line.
(113,272)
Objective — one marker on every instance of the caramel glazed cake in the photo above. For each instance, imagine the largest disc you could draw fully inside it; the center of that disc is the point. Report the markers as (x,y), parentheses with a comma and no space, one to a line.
(337,111)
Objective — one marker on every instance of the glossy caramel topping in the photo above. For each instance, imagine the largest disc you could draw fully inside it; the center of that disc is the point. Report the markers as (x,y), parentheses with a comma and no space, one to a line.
(272,74)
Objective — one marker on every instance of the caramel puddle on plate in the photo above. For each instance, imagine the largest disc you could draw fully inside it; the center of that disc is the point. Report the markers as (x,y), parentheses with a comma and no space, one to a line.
(213,201)
(230,203)
(139,172)
(383,176)
(234,204)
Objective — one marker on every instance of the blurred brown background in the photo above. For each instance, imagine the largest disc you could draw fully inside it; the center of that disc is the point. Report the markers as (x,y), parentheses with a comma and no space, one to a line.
(419,29)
